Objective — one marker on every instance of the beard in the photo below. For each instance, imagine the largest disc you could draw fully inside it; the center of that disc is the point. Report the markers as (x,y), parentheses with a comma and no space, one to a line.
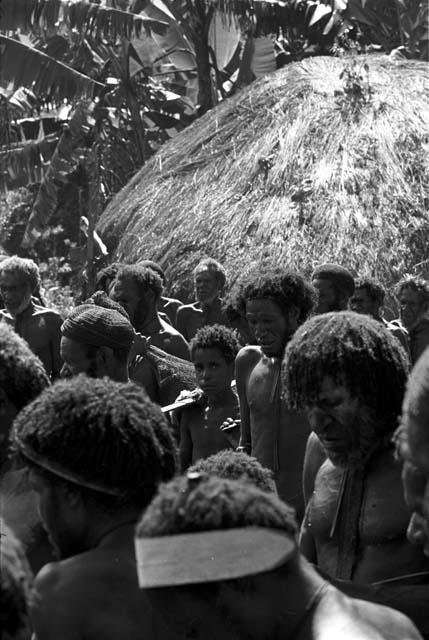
(360,437)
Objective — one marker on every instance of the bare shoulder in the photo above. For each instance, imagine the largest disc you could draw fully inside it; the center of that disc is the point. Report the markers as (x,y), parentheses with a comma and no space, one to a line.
(391,624)
(63,579)
(50,314)
(248,355)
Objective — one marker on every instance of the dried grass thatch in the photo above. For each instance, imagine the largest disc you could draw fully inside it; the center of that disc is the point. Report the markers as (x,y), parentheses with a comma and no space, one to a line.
(300,168)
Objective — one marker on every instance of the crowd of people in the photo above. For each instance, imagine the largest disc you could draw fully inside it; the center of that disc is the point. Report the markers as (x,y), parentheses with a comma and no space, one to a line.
(254,465)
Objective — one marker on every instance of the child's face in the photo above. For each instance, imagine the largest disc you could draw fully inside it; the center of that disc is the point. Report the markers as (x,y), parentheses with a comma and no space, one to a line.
(213,372)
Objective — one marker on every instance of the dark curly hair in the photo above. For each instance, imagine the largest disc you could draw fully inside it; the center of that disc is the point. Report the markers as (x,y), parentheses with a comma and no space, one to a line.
(209,264)
(106,432)
(285,287)
(375,291)
(357,352)
(150,264)
(27,268)
(144,278)
(106,276)
(15,583)
(101,299)
(419,285)
(236,465)
(22,375)
(216,336)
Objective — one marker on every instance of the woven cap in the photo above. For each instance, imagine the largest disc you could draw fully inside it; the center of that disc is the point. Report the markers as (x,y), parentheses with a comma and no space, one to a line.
(99,327)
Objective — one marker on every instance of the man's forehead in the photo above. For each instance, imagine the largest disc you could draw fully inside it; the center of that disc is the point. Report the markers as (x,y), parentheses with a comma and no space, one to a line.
(13,277)
(263,307)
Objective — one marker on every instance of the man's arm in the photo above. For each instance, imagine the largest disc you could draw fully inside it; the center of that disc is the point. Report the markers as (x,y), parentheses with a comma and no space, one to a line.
(307,545)
(185,446)
(182,319)
(314,457)
(244,363)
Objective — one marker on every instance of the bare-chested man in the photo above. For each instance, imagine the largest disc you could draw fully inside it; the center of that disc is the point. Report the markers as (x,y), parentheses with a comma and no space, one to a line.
(39,326)
(138,290)
(212,422)
(166,306)
(348,372)
(335,285)
(413,297)
(95,451)
(209,282)
(276,303)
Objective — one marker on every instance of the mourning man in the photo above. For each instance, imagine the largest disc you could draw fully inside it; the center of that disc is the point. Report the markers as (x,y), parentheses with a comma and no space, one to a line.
(335,285)
(218,559)
(369,298)
(138,290)
(39,326)
(209,282)
(276,303)
(413,297)
(95,451)
(348,372)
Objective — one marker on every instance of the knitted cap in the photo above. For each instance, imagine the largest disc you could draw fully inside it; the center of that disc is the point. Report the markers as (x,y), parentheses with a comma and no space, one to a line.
(339,276)
(99,327)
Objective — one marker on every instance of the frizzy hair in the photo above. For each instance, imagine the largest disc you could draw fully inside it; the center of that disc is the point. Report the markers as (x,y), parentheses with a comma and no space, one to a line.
(355,351)
(236,465)
(27,268)
(144,278)
(216,336)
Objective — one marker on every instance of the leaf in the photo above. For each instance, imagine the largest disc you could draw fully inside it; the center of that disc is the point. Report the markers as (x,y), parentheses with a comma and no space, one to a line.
(320,12)
(223,39)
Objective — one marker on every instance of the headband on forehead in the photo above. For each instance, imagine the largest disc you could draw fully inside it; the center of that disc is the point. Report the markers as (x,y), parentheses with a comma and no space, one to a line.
(209,556)
(65,474)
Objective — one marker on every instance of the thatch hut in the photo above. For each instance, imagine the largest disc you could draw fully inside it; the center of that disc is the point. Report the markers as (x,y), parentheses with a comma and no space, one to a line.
(324,160)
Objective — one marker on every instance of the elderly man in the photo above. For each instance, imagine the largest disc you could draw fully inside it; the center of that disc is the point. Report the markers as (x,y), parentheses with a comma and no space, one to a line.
(218,559)
(413,297)
(95,451)
(348,372)
(276,303)
(335,285)
(209,282)
(39,326)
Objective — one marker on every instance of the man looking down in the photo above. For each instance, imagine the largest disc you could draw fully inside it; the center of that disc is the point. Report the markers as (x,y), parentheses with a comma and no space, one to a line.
(335,285)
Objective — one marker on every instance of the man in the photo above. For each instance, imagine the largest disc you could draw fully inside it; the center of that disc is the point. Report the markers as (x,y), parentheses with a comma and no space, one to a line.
(209,282)
(39,326)
(413,297)
(218,559)
(95,451)
(349,374)
(276,303)
(138,290)
(167,306)
(369,298)
(335,285)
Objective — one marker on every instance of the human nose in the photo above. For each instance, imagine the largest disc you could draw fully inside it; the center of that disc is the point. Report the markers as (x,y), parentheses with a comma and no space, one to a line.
(417,532)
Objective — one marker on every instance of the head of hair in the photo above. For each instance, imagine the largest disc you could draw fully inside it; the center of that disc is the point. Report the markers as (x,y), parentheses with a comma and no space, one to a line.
(340,278)
(418,285)
(106,276)
(15,584)
(219,337)
(286,288)
(355,351)
(215,267)
(144,279)
(108,433)
(101,299)
(26,268)
(150,264)
(374,290)
(416,400)
(236,465)
(22,374)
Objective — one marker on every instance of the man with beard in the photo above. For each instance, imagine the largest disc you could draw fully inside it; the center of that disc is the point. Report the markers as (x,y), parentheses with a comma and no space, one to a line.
(335,285)
(348,373)
(39,326)
(209,282)
(218,559)
(138,290)
(276,303)
(95,451)
(413,297)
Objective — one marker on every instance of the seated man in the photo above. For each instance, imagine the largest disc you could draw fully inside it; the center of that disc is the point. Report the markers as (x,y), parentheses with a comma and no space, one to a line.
(39,326)
(335,285)
(95,451)
(368,298)
(218,559)
(166,306)
(201,424)
(413,297)
(276,303)
(209,282)
(138,290)
(348,372)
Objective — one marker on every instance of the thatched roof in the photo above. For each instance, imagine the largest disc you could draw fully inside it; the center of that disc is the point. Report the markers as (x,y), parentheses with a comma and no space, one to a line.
(299,167)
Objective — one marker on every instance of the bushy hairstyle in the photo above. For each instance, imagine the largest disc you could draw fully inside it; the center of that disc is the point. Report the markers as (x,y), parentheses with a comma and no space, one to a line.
(374,289)
(216,336)
(150,264)
(15,583)
(22,374)
(187,505)
(27,269)
(209,264)
(416,400)
(236,465)
(106,276)
(108,433)
(355,351)
(419,285)
(145,279)
(285,288)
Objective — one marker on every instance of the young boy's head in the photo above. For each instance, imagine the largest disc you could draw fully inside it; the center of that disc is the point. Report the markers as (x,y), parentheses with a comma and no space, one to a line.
(213,352)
